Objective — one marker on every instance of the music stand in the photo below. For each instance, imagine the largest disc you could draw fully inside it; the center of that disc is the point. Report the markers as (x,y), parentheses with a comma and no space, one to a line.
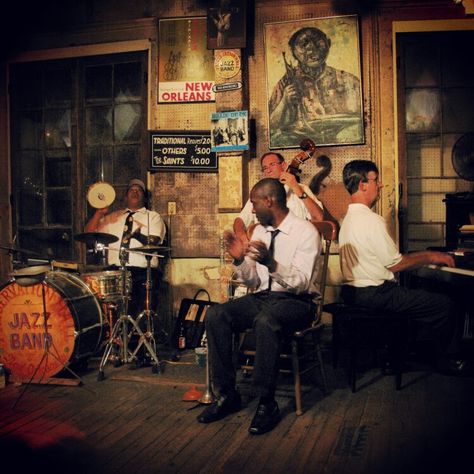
(32,276)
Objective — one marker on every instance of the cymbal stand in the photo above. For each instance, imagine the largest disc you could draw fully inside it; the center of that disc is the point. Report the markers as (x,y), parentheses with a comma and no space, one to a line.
(119,335)
(147,338)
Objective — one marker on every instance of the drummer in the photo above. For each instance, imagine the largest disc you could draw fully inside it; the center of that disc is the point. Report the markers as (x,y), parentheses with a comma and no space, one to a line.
(134,226)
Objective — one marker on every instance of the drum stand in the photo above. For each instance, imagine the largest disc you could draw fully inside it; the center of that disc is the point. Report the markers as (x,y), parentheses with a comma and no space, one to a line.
(120,334)
(28,280)
(147,338)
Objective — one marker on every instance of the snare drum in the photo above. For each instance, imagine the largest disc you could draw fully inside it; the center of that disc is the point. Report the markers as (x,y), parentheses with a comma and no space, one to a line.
(108,285)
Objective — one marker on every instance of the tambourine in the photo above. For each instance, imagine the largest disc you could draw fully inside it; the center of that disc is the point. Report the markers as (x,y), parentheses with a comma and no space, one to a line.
(100,195)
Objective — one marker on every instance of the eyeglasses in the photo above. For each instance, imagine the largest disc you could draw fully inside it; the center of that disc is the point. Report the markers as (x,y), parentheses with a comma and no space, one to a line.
(270,166)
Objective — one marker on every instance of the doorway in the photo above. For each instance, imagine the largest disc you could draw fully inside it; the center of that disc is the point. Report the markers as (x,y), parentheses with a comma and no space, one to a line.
(435,93)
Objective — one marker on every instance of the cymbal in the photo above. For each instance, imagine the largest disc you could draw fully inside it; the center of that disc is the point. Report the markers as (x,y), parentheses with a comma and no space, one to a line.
(94,237)
(14,248)
(150,248)
(31,271)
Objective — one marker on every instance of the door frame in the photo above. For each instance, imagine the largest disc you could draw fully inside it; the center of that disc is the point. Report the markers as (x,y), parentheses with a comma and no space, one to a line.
(411,26)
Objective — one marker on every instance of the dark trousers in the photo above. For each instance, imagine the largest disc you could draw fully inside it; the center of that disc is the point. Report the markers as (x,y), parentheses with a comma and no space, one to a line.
(271,315)
(433,315)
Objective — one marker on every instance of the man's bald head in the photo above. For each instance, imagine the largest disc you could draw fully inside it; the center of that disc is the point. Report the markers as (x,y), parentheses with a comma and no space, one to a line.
(271,188)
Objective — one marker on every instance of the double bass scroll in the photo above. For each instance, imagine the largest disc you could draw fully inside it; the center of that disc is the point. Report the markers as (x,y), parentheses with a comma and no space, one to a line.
(308,147)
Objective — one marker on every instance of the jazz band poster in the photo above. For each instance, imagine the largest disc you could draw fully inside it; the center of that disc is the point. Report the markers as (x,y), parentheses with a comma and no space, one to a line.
(313,79)
(186,66)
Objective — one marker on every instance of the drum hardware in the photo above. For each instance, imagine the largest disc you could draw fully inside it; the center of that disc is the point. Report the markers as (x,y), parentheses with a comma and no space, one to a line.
(15,249)
(28,277)
(97,241)
(147,338)
(118,339)
(120,335)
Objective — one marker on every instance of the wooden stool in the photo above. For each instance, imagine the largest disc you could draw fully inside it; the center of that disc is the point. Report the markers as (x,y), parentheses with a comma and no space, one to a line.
(358,327)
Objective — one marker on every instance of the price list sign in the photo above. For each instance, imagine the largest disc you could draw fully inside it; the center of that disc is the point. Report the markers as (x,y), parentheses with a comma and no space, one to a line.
(182,151)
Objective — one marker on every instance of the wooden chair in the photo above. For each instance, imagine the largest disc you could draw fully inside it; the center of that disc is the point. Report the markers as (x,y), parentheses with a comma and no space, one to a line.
(302,349)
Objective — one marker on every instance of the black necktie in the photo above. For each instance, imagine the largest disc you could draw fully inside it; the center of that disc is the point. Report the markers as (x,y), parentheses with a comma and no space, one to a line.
(271,251)
(127,233)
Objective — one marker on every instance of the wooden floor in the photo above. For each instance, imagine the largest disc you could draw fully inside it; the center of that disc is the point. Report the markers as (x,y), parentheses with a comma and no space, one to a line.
(137,422)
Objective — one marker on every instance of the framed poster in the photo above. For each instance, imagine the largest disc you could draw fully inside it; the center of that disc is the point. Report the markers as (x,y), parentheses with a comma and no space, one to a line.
(313,79)
(226,24)
(186,66)
(229,131)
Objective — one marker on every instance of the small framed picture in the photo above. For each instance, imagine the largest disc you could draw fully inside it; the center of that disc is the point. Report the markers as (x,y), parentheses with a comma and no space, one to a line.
(229,131)
(227,24)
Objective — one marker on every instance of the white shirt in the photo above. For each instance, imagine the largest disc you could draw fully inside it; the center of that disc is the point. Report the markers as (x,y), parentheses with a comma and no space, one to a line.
(296,252)
(294,203)
(366,248)
(114,223)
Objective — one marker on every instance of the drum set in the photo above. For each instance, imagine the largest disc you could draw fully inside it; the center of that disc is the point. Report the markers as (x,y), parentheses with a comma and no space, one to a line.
(73,312)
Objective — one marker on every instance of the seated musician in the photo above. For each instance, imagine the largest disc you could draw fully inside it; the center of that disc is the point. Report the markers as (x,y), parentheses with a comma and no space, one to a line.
(370,258)
(280,261)
(300,200)
(134,226)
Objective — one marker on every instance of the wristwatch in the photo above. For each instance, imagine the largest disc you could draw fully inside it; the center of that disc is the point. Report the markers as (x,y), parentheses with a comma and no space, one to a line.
(303,196)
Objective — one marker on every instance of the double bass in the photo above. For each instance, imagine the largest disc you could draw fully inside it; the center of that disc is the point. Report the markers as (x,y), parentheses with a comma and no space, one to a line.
(308,147)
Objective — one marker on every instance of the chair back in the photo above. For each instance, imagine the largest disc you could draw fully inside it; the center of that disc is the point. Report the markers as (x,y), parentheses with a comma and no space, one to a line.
(328,232)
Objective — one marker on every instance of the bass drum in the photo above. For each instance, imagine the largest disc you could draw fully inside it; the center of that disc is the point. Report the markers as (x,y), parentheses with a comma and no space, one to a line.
(75,325)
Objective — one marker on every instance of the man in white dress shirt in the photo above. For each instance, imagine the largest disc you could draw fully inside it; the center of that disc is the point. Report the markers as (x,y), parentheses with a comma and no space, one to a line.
(146,227)
(280,262)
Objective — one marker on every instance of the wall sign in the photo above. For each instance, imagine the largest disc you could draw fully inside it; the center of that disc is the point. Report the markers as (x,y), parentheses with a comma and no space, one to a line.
(226,64)
(182,151)
(227,86)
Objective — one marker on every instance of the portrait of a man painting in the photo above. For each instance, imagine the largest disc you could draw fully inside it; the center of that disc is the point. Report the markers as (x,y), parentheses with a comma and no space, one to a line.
(314,82)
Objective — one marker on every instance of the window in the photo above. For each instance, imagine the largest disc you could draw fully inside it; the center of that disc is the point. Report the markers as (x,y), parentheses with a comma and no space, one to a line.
(73,123)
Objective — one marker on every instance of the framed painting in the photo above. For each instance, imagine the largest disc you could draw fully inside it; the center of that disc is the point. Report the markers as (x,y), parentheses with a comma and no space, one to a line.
(186,66)
(313,79)
(227,24)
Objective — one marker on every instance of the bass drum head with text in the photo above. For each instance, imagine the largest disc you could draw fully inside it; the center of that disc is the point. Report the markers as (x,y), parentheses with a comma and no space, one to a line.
(74,329)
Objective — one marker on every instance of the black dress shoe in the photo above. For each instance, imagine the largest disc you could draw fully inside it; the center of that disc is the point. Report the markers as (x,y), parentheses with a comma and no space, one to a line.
(265,419)
(456,367)
(225,405)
